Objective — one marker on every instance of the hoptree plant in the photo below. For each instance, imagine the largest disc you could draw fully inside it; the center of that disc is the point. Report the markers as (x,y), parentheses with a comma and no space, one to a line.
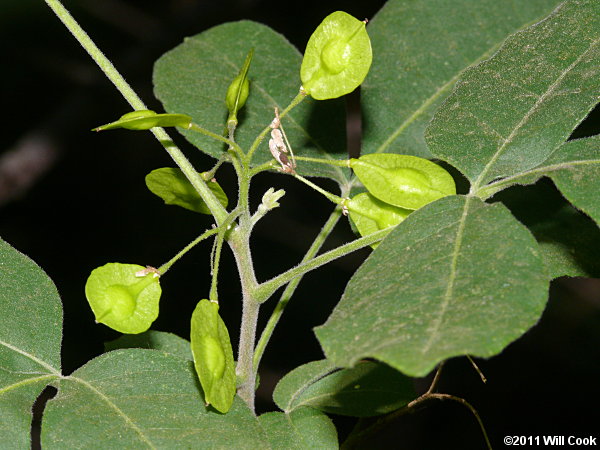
(449,124)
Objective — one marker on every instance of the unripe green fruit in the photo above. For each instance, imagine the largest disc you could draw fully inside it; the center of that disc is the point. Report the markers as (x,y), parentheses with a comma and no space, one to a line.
(370,214)
(138,114)
(124,297)
(336,56)
(122,302)
(232,94)
(405,181)
(144,119)
(212,356)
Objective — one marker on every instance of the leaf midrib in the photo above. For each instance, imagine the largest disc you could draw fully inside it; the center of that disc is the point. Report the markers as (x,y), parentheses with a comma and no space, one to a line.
(547,94)
(448,294)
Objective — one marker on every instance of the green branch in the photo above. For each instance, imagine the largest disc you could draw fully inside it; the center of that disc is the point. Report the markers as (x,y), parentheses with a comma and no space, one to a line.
(329,162)
(266,289)
(166,266)
(291,287)
(134,100)
(213,295)
(331,197)
(197,128)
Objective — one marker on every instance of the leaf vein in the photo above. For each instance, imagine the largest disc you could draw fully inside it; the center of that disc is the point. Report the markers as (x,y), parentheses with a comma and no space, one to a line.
(451,278)
(548,93)
(429,101)
(33,358)
(115,408)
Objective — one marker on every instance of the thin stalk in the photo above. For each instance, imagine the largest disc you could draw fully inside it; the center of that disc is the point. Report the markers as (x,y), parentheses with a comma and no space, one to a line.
(295,102)
(166,266)
(436,378)
(267,288)
(329,162)
(477,369)
(470,407)
(291,287)
(333,198)
(357,438)
(134,100)
(229,142)
(356,441)
(261,168)
(211,173)
(223,229)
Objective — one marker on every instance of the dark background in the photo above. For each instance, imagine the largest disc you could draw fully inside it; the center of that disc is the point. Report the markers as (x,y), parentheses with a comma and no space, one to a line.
(73,200)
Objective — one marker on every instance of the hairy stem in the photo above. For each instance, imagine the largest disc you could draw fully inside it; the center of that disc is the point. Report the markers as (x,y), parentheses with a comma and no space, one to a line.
(291,287)
(197,128)
(134,100)
(239,243)
(331,197)
(166,266)
(266,289)
(329,162)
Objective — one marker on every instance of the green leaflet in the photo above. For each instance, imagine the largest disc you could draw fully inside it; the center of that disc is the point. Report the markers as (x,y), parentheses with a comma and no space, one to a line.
(301,429)
(124,296)
(512,111)
(145,119)
(142,399)
(458,276)
(575,170)
(173,187)
(420,49)
(213,356)
(367,389)
(31,319)
(337,57)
